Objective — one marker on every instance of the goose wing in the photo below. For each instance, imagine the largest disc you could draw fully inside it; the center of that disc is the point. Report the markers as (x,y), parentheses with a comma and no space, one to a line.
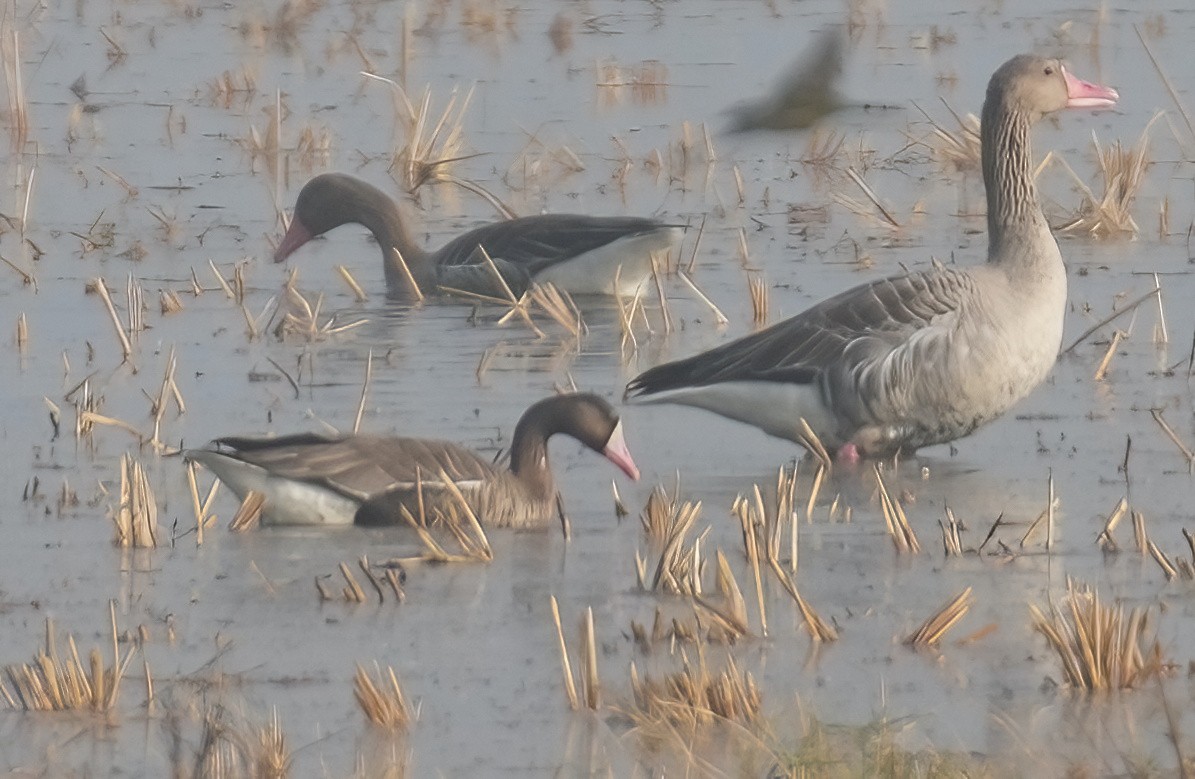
(842,337)
(359,467)
(534,243)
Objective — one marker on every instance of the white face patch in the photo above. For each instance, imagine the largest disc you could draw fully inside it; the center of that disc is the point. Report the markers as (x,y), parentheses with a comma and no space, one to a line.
(616,452)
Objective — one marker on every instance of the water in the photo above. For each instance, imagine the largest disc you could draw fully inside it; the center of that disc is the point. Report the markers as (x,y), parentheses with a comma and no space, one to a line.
(155,162)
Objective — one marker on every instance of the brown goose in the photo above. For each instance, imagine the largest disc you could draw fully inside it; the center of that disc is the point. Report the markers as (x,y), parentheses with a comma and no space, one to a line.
(580,254)
(311,479)
(925,357)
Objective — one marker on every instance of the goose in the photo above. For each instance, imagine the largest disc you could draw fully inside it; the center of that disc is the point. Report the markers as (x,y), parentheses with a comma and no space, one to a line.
(805,95)
(311,479)
(583,255)
(922,358)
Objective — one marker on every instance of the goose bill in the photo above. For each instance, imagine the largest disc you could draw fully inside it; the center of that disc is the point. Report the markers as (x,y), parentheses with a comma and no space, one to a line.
(296,236)
(616,452)
(1084,94)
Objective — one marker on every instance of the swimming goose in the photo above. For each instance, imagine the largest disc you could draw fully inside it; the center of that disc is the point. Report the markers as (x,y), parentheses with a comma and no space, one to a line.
(579,254)
(925,357)
(310,479)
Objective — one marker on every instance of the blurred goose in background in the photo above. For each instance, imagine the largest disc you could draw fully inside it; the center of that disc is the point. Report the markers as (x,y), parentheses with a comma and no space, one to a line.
(579,254)
(924,357)
(805,94)
(311,479)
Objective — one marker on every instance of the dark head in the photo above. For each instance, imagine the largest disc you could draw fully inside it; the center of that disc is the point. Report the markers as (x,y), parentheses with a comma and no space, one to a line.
(329,201)
(1034,86)
(584,416)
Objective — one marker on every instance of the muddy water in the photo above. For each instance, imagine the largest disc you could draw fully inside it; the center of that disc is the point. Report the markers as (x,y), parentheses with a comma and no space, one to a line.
(154,170)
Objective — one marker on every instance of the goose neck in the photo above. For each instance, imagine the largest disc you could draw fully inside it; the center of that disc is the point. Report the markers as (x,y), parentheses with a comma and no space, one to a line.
(1013,210)
(389,228)
(529,456)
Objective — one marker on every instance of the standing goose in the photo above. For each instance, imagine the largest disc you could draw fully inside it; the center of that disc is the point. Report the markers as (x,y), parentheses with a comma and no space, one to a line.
(579,254)
(925,357)
(310,479)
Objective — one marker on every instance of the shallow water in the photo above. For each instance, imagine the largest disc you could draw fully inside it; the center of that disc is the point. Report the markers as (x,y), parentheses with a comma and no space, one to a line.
(236,621)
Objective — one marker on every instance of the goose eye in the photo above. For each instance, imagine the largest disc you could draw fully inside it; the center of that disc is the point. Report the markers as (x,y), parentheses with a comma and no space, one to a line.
(1049,70)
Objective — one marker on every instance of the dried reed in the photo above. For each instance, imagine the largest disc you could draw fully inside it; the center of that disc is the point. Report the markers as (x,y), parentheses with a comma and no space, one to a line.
(695,696)
(903,537)
(432,146)
(730,610)
(364,392)
(656,271)
(1188,455)
(1101,648)
(758,288)
(518,306)
(248,514)
(821,152)
(102,290)
(1187,567)
(1123,172)
(768,521)
(54,683)
(951,541)
(587,678)
(18,107)
(229,748)
(560,307)
(646,81)
(347,275)
(1182,109)
(1116,314)
(168,392)
(202,508)
(627,312)
(273,758)
(764,530)
(302,317)
(1101,372)
(666,522)
(169,302)
(460,521)
(383,701)
(570,686)
(1105,539)
(393,577)
(813,445)
(228,87)
(136,519)
(934,628)
(719,318)
(560,32)
(959,148)
(1044,518)
(860,209)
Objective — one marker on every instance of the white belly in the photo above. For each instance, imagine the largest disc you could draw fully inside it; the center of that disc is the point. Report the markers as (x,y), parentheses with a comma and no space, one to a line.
(287,502)
(775,407)
(629,259)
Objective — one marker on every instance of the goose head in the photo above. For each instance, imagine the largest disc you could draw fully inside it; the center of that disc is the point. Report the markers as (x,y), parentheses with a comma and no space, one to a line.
(1033,85)
(329,201)
(583,416)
